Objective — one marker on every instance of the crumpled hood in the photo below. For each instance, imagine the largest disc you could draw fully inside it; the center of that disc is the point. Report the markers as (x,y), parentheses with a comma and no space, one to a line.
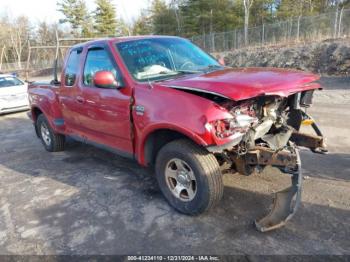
(243,83)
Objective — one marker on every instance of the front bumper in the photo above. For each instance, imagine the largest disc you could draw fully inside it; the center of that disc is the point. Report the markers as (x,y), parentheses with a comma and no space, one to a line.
(279,150)
(228,146)
(286,201)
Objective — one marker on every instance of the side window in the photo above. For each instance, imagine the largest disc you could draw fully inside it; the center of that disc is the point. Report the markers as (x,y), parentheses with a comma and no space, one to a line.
(97,60)
(72,67)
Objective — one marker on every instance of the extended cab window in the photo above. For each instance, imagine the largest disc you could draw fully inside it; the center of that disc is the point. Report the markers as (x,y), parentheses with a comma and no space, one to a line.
(72,67)
(97,60)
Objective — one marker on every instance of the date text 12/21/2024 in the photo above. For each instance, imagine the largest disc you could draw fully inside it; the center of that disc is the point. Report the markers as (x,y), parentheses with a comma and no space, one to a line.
(173,258)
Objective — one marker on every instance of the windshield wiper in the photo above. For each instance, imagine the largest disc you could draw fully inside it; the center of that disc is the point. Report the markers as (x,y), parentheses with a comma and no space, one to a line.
(189,71)
(210,68)
(179,73)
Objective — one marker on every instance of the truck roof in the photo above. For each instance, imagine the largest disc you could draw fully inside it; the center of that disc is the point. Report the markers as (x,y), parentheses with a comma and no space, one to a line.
(122,39)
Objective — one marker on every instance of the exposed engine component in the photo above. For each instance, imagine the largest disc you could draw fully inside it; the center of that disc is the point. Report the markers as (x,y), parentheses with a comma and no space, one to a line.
(243,118)
(272,139)
(263,119)
(279,139)
(265,131)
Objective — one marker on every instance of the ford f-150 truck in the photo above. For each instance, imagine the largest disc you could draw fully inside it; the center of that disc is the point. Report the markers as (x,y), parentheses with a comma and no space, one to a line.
(171,106)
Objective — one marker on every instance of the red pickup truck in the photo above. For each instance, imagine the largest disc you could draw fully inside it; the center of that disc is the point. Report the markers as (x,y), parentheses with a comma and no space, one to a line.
(169,105)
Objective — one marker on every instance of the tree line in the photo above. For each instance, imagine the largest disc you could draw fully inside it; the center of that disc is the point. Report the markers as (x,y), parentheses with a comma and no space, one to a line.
(18,33)
(193,17)
(99,22)
(190,17)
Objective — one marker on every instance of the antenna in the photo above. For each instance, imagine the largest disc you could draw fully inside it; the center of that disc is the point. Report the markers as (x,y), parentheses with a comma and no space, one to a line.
(55,65)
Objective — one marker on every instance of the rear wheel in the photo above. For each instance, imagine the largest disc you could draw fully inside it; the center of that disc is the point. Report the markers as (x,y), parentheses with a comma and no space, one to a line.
(52,142)
(189,177)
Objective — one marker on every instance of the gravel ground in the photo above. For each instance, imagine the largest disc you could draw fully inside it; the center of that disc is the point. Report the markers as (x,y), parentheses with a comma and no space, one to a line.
(87,201)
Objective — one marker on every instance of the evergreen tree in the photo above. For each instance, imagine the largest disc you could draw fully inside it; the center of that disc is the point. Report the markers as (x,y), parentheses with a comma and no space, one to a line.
(105,18)
(263,11)
(76,14)
(290,8)
(88,27)
(142,25)
(163,18)
(205,16)
(123,29)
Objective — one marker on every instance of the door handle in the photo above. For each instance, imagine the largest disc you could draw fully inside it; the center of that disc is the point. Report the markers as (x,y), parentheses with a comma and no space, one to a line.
(80,99)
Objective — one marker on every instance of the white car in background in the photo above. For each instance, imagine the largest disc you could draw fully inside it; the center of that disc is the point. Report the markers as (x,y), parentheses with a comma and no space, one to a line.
(13,94)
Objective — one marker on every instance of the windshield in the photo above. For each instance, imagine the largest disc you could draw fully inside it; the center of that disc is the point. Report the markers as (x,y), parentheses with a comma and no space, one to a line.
(159,58)
(10,81)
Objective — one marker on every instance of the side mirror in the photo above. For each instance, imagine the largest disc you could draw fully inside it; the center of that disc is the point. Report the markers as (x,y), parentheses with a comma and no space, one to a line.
(105,79)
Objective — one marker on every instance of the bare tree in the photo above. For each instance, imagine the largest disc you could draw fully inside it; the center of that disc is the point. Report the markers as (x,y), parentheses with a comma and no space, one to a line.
(4,41)
(174,4)
(19,37)
(2,55)
(247,5)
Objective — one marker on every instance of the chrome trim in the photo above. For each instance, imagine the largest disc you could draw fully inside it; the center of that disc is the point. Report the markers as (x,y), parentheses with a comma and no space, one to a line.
(228,146)
(197,90)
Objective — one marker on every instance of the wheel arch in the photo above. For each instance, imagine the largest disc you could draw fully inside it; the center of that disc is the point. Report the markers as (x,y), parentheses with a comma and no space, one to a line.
(159,137)
(36,111)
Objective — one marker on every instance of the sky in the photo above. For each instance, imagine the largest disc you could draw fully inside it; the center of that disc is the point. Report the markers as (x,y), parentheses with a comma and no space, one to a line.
(39,10)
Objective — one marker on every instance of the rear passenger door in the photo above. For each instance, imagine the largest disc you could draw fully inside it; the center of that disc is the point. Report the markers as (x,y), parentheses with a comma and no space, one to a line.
(69,91)
(106,115)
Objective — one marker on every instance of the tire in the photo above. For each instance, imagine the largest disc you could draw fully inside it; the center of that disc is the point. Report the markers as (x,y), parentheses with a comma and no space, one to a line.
(202,187)
(52,142)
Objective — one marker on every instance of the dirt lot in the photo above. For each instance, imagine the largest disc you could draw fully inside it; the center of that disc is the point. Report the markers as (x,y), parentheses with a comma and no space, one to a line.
(87,201)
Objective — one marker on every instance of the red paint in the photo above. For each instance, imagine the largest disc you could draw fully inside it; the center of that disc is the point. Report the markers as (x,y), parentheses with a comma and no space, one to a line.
(104,115)
(104,79)
(243,83)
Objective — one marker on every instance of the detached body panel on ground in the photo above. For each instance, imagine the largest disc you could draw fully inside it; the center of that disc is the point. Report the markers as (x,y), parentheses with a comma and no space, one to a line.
(164,102)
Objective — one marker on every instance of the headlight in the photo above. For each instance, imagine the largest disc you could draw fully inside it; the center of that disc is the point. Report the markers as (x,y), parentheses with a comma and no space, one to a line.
(227,127)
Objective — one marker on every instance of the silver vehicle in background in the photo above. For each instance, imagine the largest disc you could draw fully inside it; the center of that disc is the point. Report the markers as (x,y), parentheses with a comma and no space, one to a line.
(13,94)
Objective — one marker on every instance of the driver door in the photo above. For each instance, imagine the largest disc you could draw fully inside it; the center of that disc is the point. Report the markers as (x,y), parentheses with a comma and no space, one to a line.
(105,118)
(69,91)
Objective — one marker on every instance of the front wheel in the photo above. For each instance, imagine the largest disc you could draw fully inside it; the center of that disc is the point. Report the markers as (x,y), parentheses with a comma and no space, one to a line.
(189,177)
(52,142)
